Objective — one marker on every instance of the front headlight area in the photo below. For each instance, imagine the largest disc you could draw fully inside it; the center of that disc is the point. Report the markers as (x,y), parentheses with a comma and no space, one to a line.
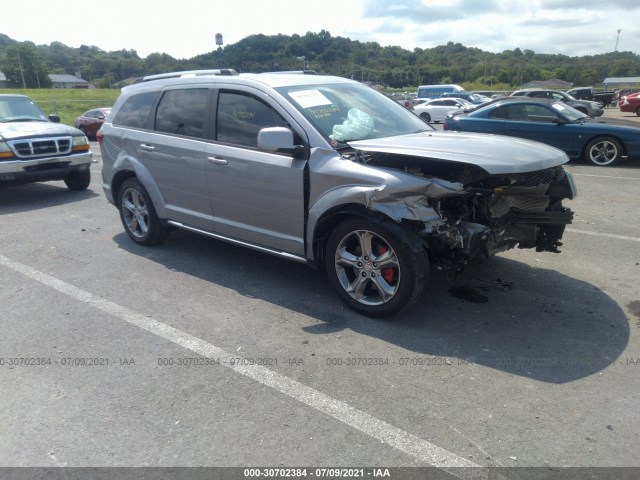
(80,144)
(5,152)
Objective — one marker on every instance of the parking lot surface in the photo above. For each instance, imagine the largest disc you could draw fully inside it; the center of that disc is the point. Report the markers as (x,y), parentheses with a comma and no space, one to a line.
(200,353)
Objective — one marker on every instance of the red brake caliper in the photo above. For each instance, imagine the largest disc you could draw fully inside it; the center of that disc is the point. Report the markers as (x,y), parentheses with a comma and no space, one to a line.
(387,273)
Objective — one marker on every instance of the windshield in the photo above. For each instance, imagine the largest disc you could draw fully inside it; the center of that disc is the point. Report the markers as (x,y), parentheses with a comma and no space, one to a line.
(347,112)
(20,109)
(569,112)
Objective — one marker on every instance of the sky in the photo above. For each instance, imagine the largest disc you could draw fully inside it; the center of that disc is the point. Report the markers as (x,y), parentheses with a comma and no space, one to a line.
(188,28)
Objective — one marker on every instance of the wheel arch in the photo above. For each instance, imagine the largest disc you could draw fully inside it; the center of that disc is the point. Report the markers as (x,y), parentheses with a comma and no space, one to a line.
(405,230)
(128,168)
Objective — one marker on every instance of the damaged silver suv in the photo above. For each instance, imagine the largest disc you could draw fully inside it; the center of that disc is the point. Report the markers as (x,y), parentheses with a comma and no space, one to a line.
(329,172)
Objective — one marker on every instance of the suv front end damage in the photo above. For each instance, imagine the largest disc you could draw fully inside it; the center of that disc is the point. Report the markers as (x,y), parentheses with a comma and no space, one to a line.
(471,213)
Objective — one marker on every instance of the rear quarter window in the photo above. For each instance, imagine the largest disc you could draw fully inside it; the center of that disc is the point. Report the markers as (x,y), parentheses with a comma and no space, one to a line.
(135,111)
(183,112)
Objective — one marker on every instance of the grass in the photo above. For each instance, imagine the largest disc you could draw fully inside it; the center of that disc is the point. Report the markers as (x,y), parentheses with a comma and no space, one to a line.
(68,103)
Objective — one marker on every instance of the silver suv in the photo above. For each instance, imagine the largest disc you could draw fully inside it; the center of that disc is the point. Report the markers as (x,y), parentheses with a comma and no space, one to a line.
(593,109)
(329,172)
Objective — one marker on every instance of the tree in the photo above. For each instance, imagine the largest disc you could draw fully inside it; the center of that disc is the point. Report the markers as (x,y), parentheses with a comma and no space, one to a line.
(23,67)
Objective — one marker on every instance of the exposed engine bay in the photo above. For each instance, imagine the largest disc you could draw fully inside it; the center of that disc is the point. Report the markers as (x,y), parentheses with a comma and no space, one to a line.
(491,213)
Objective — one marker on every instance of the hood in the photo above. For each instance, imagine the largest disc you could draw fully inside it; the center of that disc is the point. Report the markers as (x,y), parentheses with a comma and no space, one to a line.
(617,122)
(16,130)
(497,155)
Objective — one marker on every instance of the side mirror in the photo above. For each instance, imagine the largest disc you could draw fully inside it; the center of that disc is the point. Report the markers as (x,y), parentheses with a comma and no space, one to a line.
(558,121)
(278,140)
(54,118)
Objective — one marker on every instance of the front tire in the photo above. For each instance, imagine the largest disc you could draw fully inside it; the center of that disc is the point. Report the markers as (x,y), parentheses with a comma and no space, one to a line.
(138,214)
(79,180)
(603,151)
(638,111)
(372,269)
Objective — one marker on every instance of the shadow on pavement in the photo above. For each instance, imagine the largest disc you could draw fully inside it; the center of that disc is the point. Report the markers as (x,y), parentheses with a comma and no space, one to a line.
(35,196)
(549,327)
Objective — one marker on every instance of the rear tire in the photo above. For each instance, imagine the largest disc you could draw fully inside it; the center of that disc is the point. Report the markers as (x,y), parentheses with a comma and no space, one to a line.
(603,151)
(638,111)
(79,180)
(374,271)
(426,117)
(138,214)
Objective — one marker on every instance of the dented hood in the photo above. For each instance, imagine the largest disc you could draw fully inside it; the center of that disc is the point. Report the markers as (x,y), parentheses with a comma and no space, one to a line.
(493,153)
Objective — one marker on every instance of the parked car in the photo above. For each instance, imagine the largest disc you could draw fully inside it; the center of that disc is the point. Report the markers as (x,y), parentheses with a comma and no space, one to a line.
(91,121)
(328,172)
(472,107)
(35,147)
(602,142)
(593,109)
(623,92)
(437,110)
(630,103)
(469,97)
(588,93)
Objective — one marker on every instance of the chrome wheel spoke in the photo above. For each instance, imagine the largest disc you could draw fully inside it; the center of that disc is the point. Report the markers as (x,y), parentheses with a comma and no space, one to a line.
(364,238)
(358,287)
(345,258)
(386,260)
(386,290)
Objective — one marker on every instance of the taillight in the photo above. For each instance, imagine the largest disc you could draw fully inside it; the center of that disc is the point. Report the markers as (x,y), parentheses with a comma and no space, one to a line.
(100,136)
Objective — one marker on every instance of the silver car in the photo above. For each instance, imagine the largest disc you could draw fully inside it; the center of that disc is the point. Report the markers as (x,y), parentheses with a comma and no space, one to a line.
(328,172)
(593,109)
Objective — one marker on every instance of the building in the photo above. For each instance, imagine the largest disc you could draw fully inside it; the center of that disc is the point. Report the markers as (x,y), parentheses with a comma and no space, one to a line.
(57,80)
(67,81)
(620,82)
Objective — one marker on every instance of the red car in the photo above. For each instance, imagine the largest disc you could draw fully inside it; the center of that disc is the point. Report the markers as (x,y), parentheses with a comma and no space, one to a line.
(91,121)
(630,103)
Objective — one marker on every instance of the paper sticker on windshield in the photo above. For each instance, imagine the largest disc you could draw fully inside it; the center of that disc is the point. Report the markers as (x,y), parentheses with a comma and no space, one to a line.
(310,98)
(559,107)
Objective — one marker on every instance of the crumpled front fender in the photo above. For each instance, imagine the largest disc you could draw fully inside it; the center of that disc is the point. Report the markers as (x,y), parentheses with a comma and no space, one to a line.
(398,202)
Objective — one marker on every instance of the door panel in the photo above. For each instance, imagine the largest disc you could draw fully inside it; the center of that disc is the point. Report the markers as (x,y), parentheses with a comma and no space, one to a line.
(256,196)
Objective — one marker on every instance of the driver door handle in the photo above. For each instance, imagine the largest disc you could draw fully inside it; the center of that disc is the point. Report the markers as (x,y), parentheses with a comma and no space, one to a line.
(217,161)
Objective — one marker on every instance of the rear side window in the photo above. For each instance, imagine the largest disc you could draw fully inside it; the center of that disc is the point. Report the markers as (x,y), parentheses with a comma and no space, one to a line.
(136,110)
(183,112)
(241,117)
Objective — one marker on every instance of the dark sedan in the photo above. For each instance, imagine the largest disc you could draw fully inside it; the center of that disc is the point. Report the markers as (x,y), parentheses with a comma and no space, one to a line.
(603,142)
(91,121)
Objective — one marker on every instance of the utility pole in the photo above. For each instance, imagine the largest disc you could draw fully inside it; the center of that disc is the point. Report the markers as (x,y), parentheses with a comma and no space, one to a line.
(24,85)
(617,38)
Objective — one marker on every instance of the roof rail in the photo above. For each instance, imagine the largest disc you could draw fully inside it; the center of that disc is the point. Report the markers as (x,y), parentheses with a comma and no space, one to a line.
(303,72)
(187,73)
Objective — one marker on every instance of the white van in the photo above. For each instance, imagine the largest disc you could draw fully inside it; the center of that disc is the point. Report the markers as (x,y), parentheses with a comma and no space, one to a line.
(436,91)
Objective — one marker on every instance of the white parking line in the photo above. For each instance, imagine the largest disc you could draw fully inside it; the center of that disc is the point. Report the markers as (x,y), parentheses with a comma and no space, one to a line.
(605,235)
(604,176)
(414,446)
